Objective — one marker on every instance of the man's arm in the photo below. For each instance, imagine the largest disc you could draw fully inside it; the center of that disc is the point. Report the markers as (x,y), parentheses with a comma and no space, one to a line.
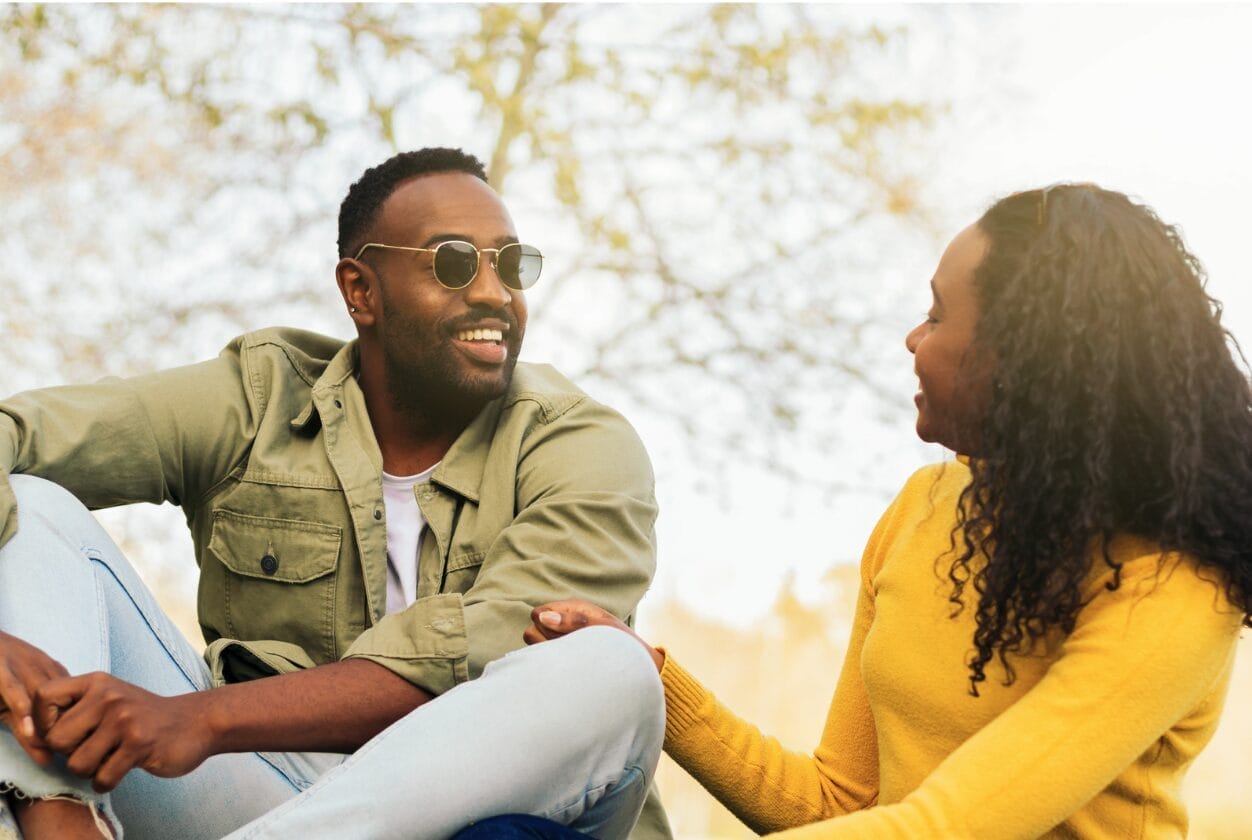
(105,726)
(164,436)
(582,528)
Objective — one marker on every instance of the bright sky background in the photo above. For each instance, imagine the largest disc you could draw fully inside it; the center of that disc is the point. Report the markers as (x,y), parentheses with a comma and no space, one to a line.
(1150,100)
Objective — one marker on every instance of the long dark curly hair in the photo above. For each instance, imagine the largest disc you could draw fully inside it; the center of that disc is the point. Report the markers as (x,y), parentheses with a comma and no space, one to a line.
(1117,406)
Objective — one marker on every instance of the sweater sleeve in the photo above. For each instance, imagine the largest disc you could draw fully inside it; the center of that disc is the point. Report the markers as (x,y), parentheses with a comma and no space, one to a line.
(1139,660)
(761,782)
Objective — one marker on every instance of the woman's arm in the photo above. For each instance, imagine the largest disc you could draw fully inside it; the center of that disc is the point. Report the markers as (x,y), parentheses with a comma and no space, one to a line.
(767,786)
(1141,659)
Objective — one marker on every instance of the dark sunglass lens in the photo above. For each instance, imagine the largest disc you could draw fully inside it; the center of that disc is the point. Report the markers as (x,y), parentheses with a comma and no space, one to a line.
(519,265)
(456,263)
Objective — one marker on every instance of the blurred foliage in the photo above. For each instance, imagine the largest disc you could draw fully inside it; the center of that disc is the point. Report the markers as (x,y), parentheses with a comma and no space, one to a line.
(778,673)
(714,184)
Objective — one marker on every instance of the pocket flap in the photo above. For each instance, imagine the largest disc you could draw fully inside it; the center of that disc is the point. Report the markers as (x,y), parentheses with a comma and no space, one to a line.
(286,550)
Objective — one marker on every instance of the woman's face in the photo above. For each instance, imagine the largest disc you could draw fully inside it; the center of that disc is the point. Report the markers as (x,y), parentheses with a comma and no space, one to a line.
(951,401)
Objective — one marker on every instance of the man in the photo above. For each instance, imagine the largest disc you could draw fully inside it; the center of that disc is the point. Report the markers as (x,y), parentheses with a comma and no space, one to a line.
(373,522)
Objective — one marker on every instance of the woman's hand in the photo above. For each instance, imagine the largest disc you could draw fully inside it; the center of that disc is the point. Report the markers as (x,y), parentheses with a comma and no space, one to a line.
(559,618)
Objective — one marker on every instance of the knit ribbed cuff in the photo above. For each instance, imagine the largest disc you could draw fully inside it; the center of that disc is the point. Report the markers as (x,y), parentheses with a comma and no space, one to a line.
(684,696)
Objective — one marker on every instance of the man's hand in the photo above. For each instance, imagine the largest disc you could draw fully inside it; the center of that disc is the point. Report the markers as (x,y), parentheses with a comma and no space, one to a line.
(105,726)
(23,669)
(559,618)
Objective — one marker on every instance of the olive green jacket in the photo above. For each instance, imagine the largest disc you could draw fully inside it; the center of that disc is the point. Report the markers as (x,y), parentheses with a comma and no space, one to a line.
(269,452)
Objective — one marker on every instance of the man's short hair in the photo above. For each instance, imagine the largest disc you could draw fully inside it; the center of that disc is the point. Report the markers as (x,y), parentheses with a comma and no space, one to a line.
(366,197)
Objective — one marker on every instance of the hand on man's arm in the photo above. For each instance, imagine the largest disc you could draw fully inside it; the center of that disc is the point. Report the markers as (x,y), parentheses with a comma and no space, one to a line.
(560,618)
(106,726)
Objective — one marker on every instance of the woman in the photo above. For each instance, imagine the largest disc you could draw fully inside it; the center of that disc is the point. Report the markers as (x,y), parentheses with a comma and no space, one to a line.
(1046,627)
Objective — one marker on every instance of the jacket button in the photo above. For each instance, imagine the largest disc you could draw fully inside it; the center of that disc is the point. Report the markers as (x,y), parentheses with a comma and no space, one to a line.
(378,514)
(338,404)
(269,564)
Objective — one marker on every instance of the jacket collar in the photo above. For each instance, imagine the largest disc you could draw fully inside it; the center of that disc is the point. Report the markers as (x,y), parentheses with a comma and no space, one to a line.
(461,469)
(341,368)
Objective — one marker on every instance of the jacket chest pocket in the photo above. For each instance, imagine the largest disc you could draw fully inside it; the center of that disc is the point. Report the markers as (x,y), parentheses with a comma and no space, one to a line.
(272,579)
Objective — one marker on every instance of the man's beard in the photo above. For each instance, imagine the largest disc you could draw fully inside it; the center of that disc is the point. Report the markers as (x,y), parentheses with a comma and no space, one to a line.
(426,376)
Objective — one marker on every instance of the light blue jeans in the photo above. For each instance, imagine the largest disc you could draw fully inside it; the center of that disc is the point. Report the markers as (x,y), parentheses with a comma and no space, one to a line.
(570,730)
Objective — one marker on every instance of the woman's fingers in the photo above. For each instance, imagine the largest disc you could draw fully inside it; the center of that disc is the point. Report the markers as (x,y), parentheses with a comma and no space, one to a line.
(556,619)
(560,617)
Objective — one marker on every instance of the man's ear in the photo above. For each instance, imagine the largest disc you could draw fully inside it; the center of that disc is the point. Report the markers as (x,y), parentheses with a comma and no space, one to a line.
(358,284)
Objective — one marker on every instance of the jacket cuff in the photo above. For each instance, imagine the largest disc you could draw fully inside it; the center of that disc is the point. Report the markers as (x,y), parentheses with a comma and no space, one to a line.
(233,661)
(425,644)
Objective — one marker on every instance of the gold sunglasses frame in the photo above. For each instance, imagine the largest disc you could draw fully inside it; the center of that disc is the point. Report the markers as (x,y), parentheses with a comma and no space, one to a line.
(478,254)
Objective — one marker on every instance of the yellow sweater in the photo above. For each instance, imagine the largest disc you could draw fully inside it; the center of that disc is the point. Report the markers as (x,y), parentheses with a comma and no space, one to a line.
(1091,741)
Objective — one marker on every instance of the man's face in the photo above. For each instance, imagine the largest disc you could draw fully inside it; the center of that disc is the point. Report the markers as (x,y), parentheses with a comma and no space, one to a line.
(445,349)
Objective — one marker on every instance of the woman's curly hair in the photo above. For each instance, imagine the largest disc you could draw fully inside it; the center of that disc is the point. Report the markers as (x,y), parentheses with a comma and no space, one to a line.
(1116,406)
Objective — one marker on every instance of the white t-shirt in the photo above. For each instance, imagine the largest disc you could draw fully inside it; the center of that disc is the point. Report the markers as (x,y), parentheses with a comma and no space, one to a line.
(405,524)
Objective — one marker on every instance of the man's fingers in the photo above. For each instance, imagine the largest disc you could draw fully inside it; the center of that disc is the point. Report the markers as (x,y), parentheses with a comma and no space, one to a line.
(114,767)
(64,691)
(26,737)
(53,699)
(63,721)
(14,695)
(17,716)
(24,668)
(40,755)
(70,729)
(85,759)
(45,715)
(54,670)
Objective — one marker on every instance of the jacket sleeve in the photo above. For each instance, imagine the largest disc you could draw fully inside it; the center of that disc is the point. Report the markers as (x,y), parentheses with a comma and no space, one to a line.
(583,528)
(1140,659)
(165,436)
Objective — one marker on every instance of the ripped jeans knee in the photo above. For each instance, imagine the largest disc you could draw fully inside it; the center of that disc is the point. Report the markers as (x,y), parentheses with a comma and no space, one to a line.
(14,800)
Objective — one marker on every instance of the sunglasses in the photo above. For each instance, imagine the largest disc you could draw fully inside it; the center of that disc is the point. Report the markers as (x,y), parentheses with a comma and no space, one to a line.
(456,263)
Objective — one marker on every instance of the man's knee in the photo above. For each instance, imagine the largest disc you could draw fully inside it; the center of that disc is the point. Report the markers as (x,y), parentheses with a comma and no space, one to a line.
(52,524)
(45,570)
(614,659)
(612,671)
(45,508)
(35,494)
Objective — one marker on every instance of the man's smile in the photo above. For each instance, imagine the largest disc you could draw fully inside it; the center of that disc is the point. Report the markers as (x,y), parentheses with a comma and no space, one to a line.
(483,344)
(480,335)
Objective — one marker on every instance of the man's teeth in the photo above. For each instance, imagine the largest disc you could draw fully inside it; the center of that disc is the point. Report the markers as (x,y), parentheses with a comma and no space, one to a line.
(481,335)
